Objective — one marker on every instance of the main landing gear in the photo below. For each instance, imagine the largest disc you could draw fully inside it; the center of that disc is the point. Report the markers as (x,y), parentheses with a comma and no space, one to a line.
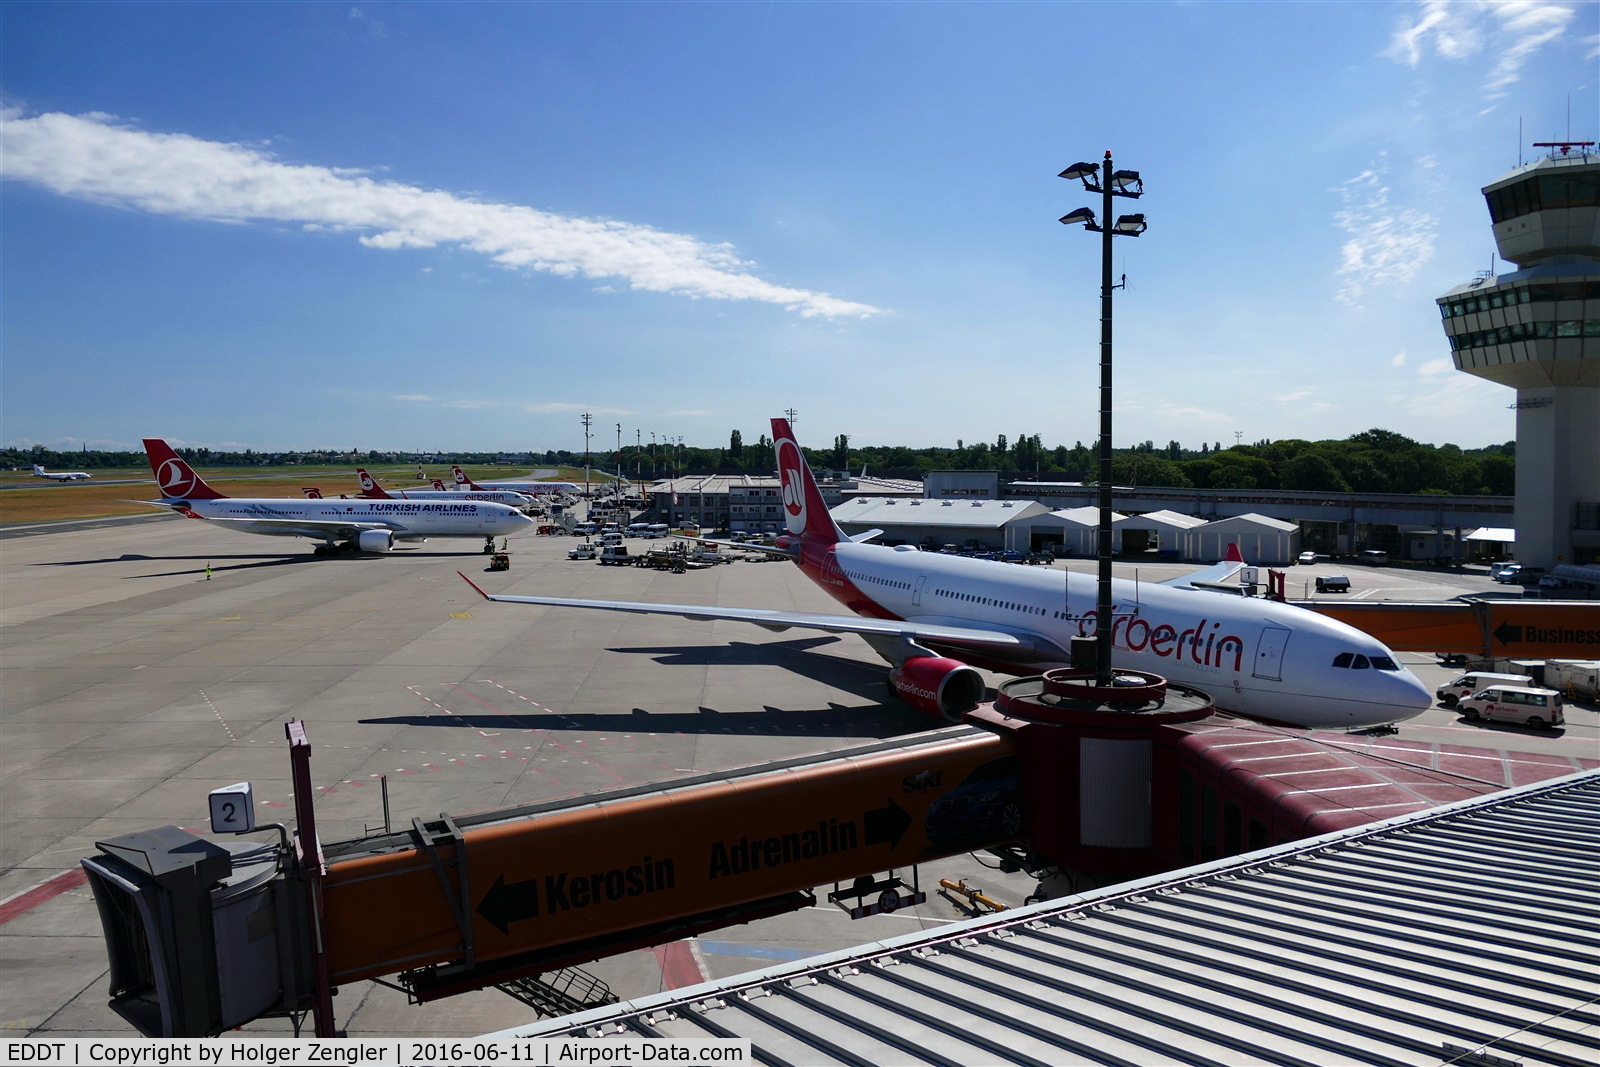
(488,546)
(331,549)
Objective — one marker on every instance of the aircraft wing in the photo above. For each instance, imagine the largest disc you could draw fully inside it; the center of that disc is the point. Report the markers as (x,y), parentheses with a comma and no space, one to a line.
(771,619)
(316,528)
(1217,572)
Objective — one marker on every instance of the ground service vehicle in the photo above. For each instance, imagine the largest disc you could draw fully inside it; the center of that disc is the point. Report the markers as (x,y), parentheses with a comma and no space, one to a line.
(1538,708)
(1451,693)
(583,551)
(1333,583)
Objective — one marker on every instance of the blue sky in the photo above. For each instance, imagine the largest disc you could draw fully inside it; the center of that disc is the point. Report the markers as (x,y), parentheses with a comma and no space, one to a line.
(460,226)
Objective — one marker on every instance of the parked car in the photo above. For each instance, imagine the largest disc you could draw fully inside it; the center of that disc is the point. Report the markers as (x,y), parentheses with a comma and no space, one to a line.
(1307,557)
(1333,583)
(1506,573)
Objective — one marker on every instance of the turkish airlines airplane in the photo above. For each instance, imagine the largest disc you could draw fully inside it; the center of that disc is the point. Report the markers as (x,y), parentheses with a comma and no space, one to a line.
(934,617)
(59,476)
(531,488)
(371,490)
(341,525)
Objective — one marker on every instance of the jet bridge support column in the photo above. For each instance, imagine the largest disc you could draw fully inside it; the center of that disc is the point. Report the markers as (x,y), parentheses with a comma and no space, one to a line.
(1091,764)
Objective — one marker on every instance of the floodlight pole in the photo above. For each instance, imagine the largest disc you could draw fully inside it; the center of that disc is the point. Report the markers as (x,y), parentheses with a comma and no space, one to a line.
(1105,622)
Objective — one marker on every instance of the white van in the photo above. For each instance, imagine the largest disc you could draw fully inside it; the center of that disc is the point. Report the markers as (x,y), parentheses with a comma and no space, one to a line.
(1452,693)
(1373,557)
(586,528)
(611,537)
(1514,703)
(657,529)
(638,529)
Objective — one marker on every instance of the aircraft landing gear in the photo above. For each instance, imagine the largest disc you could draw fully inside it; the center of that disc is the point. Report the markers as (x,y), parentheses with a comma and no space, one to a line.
(488,546)
(325,550)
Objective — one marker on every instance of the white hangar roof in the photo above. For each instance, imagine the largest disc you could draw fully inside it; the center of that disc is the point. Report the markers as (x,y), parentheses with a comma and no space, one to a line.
(888,512)
(1159,520)
(1464,934)
(1249,521)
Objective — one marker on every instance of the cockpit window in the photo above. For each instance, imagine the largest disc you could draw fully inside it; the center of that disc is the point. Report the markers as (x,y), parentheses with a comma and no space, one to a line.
(1360,663)
(1342,659)
(1384,663)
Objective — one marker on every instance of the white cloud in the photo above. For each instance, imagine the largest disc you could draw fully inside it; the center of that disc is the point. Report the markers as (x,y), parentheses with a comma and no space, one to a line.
(1384,245)
(1399,359)
(1509,32)
(1450,393)
(418,397)
(95,157)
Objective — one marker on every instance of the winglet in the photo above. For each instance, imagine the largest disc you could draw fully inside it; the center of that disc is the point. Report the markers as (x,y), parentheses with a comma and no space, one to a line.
(475,585)
(1234,555)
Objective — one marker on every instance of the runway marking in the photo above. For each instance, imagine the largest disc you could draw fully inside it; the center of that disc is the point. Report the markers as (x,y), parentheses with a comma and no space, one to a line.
(218,714)
(680,963)
(25,901)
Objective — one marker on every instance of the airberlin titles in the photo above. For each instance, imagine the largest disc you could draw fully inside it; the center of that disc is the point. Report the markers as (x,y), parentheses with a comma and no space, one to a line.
(553,894)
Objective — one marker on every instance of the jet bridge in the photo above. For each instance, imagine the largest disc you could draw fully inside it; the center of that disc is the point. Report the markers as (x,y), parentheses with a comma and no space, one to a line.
(202,939)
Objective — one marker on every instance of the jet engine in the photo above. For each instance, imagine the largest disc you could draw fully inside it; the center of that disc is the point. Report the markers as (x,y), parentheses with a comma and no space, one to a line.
(939,687)
(375,541)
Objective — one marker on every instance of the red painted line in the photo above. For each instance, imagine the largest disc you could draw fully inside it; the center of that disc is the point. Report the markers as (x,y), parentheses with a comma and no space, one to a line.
(29,899)
(679,967)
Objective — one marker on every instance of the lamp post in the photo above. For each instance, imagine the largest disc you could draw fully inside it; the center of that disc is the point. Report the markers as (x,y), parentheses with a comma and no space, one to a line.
(1108,182)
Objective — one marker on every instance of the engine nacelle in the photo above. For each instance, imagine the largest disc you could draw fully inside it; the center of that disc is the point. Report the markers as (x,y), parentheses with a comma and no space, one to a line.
(938,687)
(375,541)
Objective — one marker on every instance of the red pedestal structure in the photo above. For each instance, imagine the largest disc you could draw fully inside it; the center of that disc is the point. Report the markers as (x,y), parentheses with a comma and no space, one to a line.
(1095,764)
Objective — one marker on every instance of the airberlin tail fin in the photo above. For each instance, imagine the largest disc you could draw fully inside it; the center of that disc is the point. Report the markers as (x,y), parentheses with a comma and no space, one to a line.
(369,486)
(1234,555)
(804,513)
(462,481)
(177,479)
(438,485)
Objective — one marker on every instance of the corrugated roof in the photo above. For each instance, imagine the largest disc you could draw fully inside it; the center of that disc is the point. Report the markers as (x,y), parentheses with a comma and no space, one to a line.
(898,511)
(1465,934)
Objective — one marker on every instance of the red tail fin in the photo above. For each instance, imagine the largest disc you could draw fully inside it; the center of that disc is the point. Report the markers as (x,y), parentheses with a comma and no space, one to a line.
(311,492)
(369,487)
(1234,555)
(462,480)
(177,479)
(804,513)
(438,485)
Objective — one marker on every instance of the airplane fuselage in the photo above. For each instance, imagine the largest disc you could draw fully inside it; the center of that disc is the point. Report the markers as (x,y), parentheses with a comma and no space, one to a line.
(1256,657)
(412,519)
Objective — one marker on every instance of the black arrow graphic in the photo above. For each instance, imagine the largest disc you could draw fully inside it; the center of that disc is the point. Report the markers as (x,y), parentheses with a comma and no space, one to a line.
(886,824)
(1508,634)
(505,904)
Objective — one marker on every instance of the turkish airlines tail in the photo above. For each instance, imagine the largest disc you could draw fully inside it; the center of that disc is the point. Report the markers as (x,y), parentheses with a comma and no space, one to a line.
(177,479)
(370,488)
(804,513)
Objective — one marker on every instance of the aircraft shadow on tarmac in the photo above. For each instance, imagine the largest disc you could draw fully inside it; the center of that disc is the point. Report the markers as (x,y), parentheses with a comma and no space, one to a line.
(835,720)
(220,564)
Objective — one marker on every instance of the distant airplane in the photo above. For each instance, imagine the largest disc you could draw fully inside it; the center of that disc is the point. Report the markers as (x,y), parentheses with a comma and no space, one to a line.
(59,476)
(371,490)
(341,525)
(934,617)
(531,488)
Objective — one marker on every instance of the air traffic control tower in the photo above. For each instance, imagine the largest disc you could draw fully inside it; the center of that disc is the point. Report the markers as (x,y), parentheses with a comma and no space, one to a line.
(1537,329)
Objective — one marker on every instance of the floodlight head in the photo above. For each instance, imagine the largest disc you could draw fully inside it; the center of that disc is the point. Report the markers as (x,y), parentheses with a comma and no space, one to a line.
(1083,215)
(1126,183)
(1079,171)
(1129,225)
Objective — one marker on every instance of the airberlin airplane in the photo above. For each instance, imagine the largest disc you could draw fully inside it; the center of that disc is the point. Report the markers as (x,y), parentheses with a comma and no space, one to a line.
(371,490)
(343,525)
(935,617)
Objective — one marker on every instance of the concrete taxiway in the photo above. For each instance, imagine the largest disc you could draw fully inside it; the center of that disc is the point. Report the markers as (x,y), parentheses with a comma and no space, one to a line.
(133,685)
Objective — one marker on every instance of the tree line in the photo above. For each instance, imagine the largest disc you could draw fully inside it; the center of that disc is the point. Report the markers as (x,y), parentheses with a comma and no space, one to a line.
(1373,461)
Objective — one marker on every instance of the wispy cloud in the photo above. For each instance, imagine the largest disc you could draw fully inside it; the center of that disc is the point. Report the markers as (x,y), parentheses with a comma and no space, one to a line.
(414,397)
(1384,245)
(98,158)
(1507,32)
(1450,393)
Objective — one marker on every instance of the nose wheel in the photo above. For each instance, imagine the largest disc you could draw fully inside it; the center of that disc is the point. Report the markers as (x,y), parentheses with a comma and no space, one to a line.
(488,546)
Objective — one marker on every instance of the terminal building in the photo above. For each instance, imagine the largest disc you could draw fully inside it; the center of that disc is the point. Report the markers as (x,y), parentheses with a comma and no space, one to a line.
(1537,330)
